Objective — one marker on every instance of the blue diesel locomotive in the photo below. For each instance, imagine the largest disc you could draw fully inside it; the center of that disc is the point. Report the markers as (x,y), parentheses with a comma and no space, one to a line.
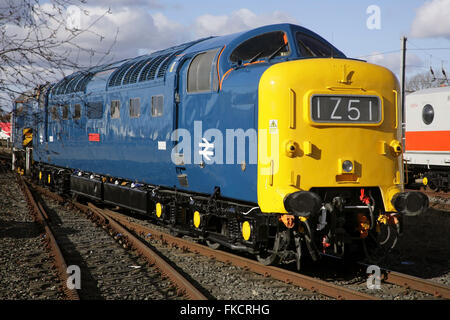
(268,141)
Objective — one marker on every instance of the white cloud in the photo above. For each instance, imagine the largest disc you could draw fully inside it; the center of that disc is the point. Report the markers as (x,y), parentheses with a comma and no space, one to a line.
(432,20)
(392,61)
(138,31)
(240,20)
(143,31)
(149,4)
(140,28)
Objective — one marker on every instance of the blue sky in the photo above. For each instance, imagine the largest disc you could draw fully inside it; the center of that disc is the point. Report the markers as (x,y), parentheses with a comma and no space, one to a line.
(148,25)
(136,27)
(341,22)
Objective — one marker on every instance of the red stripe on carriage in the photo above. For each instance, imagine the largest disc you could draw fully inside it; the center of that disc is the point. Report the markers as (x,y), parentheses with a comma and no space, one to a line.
(428,140)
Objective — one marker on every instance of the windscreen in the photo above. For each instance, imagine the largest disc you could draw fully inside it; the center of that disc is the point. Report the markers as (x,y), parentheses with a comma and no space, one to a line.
(312,47)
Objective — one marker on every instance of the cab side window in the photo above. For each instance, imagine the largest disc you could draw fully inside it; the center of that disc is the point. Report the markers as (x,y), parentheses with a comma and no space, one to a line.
(262,46)
(200,72)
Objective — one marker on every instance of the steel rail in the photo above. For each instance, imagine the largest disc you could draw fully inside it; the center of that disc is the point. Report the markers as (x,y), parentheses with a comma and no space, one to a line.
(42,218)
(312,284)
(184,286)
(418,284)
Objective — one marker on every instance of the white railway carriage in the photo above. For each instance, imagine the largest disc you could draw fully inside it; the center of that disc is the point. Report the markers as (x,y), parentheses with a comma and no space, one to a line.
(427,145)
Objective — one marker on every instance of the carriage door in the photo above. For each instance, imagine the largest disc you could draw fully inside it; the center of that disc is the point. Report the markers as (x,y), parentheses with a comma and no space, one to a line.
(197,85)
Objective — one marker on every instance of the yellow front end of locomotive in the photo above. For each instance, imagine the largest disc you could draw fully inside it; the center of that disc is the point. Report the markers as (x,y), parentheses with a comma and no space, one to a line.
(297,152)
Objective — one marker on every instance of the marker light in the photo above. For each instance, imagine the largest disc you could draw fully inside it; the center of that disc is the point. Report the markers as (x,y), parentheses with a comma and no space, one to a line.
(347,166)
(197,219)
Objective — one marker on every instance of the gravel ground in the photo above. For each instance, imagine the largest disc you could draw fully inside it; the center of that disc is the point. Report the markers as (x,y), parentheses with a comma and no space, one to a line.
(227,282)
(25,266)
(25,272)
(424,248)
(108,271)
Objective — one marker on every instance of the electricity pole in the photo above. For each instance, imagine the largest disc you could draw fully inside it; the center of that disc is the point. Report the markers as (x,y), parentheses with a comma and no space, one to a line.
(402,87)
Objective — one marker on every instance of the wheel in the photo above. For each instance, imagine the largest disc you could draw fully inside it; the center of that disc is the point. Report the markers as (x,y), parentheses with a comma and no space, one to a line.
(298,252)
(223,231)
(213,245)
(377,246)
(271,257)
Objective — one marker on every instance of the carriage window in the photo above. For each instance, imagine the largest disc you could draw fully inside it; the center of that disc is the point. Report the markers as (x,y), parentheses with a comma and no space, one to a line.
(135,108)
(94,110)
(312,47)
(199,73)
(77,112)
(115,109)
(262,46)
(157,106)
(65,112)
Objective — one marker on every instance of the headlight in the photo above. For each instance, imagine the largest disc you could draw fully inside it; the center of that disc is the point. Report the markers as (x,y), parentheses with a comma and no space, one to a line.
(347,166)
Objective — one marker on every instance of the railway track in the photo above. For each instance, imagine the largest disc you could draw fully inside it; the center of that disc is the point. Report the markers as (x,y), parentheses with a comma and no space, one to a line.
(310,283)
(439,200)
(108,268)
(326,288)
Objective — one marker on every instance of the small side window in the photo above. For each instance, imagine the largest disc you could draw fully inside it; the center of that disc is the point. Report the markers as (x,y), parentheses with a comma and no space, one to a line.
(199,73)
(19,109)
(115,109)
(94,110)
(41,98)
(135,108)
(65,112)
(157,106)
(77,112)
(54,113)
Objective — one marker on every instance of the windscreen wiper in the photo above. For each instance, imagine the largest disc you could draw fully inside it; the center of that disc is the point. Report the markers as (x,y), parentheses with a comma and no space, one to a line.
(276,51)
(255,57)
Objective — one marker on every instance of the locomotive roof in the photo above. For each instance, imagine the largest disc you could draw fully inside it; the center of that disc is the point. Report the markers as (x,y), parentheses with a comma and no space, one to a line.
(153,66)
(431,91)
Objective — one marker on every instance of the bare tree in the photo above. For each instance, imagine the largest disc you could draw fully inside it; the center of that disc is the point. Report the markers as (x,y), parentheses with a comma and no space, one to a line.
(40,43)
(425,80)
